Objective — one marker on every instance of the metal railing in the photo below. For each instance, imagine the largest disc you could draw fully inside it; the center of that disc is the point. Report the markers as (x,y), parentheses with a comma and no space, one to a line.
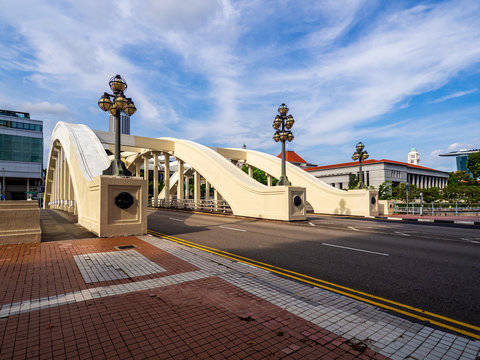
(202,205)
(437,209)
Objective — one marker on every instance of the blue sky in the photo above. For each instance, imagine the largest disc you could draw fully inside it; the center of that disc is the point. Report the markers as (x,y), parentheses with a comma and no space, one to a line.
(392,74)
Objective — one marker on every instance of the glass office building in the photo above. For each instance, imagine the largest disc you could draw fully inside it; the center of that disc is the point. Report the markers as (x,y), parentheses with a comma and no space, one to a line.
(21,155)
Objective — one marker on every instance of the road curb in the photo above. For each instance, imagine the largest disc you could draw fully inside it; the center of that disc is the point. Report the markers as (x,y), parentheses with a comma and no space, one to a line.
(431,221)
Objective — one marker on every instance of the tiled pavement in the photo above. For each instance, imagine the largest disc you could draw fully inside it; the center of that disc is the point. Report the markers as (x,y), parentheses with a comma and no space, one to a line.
(82,299)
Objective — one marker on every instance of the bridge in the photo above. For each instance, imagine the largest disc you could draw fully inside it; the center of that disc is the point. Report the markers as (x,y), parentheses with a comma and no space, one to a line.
(114,205)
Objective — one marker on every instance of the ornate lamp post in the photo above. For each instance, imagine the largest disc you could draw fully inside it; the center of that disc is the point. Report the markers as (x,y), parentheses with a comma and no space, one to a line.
(283,123)
(120,103)
(360,155)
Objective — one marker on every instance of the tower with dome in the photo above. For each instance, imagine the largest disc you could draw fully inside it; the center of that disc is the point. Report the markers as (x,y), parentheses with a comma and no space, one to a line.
(413,156)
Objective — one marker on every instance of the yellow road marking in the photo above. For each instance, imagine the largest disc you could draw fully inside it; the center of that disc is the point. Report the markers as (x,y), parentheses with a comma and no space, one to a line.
(319,283)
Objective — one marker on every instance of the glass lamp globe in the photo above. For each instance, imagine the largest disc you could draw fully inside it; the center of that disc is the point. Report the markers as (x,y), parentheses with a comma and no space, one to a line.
(283,109)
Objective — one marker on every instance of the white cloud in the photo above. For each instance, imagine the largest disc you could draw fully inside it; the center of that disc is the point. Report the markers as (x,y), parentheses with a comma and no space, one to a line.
(455,95)
(459,146)
(45,108)
(339,65)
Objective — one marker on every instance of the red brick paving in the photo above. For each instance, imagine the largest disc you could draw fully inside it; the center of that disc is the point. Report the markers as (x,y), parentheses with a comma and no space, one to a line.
(201,319)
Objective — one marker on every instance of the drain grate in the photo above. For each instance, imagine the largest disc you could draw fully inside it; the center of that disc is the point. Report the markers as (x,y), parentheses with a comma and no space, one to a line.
(124,247)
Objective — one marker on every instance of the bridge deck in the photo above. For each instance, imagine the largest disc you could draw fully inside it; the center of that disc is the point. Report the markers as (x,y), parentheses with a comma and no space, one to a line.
(59,225)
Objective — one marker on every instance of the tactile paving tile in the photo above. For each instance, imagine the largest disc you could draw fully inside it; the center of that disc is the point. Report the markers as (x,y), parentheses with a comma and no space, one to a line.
(115,265)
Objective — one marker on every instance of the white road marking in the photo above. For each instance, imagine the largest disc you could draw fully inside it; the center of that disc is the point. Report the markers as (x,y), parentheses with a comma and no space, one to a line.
(464,222)
(312,224)
(176,219)
(351,227)
(403,234)
(354,249)
(230,228)
(470,240)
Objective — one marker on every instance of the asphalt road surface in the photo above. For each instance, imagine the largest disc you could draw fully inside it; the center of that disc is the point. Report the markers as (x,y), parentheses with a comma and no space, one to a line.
(431,267)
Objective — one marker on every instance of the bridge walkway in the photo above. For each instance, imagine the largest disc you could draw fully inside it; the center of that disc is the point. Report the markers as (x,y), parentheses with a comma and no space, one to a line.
(59,225)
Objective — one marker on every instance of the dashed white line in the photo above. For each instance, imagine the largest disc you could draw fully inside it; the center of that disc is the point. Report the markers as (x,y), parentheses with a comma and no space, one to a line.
(401,233)
(470,240)
(312,224)
(354,249)
(351,227)
(230,228)
(464,222)
(176,219)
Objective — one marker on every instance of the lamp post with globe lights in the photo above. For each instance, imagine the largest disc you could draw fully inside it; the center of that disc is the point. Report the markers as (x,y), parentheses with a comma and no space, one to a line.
(283,123)
(120,103)
(360,155)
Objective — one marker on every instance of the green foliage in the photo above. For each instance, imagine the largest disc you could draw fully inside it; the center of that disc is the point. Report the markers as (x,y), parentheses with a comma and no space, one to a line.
(458,177)
(353,181)
(431,195)
(399,192)
(473,164)
(150,186)
(385,191)
(260,175)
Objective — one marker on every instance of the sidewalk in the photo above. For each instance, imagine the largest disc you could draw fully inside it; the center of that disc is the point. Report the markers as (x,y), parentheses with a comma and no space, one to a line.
(91,298)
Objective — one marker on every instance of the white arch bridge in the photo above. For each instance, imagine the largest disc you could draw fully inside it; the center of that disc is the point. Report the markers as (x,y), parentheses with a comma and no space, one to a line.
(109,205)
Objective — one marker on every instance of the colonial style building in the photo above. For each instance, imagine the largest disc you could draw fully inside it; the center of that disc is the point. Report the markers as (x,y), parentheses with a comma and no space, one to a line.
(376,172)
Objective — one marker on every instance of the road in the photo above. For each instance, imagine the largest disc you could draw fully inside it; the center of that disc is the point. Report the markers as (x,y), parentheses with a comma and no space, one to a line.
(432,267)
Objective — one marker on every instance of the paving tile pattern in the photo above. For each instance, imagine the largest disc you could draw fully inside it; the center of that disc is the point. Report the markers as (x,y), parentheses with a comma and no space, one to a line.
(355,321)
(200,307)
(185,314)
(98,267)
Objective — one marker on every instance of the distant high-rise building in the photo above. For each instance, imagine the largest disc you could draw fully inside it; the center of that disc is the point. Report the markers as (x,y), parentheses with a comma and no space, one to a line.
(413,156)
(21,155)
(124,123)
(461,157)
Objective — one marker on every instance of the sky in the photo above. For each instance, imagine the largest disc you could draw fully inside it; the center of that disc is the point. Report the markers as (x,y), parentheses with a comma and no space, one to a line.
(392,74)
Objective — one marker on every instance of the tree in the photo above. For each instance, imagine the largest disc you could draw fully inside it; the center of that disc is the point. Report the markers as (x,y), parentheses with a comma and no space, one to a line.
(353,181)
(473,164)
(385,190)
(458,177)
(260,175)
(431,195)
(399,192)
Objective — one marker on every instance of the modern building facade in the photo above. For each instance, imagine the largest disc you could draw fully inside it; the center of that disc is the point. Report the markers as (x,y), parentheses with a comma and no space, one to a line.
(461,156)
(21,155)
(376,172)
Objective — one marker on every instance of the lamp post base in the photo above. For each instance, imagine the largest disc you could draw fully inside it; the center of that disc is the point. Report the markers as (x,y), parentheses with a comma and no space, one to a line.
(283,181)
(117,168)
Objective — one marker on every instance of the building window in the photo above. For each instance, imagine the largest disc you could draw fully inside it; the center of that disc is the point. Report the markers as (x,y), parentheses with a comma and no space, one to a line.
(20,125)
(340,185)
(332,184)
(368,178)
(21,148)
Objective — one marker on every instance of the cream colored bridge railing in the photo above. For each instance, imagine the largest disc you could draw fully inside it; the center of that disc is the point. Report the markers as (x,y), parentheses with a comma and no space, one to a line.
(112,205)
(244,195)
(74,183)
(322,197)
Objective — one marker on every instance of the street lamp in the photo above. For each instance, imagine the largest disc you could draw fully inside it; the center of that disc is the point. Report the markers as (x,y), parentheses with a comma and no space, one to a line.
(120,103)
(283,123)
(360,155)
